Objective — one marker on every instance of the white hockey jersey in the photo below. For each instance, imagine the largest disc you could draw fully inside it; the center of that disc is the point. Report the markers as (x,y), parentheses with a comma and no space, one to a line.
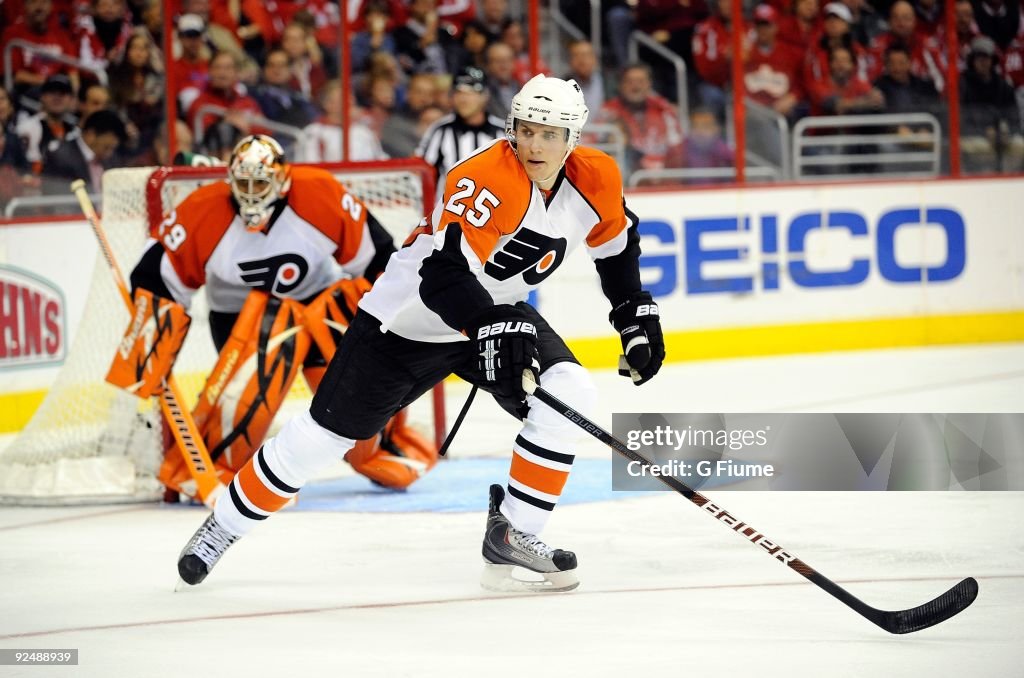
(513,238)
(319,237)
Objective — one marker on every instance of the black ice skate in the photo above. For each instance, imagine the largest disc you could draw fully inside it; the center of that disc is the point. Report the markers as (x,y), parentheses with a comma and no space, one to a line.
(506,548)
(203,551)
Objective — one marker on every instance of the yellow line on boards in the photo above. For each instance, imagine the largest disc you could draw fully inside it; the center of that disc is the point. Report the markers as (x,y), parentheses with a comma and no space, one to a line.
(17,408)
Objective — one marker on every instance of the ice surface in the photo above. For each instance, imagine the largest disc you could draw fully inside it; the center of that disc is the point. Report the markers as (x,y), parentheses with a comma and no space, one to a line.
(354,591)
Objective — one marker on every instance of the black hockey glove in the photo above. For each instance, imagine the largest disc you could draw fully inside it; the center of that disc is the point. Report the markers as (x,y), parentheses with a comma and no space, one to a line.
(506,345)
(639,327)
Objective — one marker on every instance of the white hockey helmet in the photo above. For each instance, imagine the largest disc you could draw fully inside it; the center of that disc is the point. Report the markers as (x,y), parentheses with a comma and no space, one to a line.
(259,177)
(549,101)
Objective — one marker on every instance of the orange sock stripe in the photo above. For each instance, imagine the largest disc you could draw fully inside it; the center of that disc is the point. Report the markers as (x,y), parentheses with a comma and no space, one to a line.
(538,477)
(256,492)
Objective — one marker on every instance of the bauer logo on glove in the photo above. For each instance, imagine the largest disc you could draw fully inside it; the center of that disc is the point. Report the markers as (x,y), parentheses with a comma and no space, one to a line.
(506,345)
(506,328)
(639,326)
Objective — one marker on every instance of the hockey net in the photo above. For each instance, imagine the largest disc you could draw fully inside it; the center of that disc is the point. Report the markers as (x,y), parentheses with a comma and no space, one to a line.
(89,442)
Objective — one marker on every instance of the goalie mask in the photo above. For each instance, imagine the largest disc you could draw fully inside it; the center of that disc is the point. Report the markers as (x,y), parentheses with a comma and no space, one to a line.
(258,177)
(549,101)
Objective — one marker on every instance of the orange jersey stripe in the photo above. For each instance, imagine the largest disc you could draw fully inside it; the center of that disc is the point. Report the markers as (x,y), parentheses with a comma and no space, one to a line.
(318,198)
(593,173)
(256,492)
(205,216)
(538,477)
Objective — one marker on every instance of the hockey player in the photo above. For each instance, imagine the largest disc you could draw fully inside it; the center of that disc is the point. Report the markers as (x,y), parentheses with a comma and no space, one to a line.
(452,301)
(284,253)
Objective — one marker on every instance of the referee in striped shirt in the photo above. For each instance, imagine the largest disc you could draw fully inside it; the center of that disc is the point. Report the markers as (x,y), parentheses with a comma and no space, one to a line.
(456,135)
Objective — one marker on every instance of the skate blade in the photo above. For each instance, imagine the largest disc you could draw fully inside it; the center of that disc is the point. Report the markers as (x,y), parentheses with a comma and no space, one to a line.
(513,579)
(181,585)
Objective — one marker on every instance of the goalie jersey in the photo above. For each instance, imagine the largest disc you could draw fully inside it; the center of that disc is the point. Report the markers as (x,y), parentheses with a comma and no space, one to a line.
(513,237)
(318,234)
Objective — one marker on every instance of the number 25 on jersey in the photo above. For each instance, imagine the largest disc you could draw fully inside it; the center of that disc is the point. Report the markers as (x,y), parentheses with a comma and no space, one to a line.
(485,201)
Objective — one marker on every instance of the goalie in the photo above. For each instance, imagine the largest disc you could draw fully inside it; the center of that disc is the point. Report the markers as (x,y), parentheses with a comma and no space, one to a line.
(285,253)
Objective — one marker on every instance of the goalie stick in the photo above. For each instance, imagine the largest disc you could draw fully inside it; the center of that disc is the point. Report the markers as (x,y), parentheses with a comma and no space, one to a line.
(183,427)
(935,611)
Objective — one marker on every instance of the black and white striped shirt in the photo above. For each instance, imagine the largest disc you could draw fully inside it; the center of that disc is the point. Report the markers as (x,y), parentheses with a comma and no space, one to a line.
(450,140)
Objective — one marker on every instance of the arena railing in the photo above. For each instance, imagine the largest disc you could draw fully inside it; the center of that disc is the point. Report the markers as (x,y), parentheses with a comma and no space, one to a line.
(699,175)
(609,138)
(780,152)
(30,205)
(256,120)
(637,38)
(101,74)
(828,148)
(563,25)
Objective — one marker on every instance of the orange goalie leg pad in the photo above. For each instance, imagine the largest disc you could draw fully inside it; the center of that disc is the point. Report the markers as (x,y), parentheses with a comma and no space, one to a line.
(236,424)
(397,458)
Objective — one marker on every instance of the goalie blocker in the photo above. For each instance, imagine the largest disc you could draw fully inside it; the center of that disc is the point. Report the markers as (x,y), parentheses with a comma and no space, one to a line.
(150,345)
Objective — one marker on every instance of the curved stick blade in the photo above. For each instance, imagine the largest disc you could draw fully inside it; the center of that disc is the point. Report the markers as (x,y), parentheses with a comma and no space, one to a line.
(950,603)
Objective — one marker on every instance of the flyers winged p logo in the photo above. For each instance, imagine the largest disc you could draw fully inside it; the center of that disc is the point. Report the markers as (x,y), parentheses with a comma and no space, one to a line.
(533,254)
(278,274)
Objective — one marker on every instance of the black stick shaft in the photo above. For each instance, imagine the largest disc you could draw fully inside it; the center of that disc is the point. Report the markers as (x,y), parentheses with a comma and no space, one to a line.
(903,621)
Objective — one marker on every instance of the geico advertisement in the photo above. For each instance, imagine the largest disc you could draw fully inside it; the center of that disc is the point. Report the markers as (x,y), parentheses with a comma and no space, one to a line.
(762,256)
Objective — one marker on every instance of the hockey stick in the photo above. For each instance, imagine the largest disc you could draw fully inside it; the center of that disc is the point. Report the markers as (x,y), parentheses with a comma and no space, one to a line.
(186,434)
(940,609)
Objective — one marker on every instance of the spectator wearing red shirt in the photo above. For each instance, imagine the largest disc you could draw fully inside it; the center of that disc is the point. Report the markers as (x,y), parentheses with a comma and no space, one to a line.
(801,28)
(966,31)
(40,27)
(772,69)
(308,74)
(654,135)
(926,57)
(192,67)
(1013,65)
(930,16)
(836,32)
(712,56)
(843,92)
(455,14)
(224,89)
(102,35)
(256,24)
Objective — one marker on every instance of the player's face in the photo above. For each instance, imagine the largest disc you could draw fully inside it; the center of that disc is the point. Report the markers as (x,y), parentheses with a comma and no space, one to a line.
(541,149)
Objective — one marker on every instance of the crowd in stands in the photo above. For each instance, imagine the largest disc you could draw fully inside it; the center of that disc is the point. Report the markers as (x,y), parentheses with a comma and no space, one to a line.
(91,77)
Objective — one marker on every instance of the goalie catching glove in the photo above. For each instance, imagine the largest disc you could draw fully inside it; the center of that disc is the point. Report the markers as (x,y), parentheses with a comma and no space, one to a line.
(150,345)
(639,327)
(506,345)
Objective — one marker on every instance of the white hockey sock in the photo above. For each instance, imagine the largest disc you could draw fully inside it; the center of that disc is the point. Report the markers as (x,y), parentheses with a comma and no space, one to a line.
(277,471)
(543,453)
